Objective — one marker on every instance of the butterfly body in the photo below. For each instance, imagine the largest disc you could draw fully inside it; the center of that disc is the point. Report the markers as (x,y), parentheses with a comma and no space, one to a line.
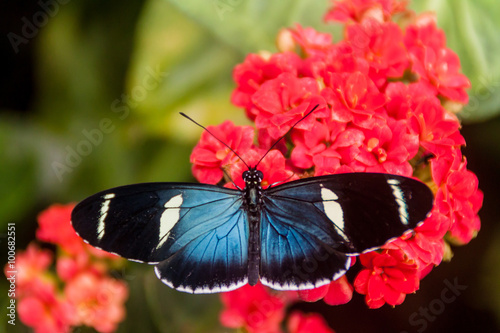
(296,235)
(253,206)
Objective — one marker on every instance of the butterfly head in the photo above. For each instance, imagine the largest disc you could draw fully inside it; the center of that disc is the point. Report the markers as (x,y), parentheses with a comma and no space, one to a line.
(253,189)
(252,176)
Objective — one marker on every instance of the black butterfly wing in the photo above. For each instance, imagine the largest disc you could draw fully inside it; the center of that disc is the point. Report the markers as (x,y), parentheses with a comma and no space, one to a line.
(316,223)
(196,233)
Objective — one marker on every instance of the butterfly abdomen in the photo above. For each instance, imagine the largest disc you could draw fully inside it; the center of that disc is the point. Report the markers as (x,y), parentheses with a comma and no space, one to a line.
(253,248)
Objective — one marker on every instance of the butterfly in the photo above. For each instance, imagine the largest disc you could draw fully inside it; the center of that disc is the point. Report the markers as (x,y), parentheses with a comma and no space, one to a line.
(296,235)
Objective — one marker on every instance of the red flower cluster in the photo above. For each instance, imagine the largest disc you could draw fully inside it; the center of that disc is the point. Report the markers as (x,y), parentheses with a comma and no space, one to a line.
(386,97)
(81,293)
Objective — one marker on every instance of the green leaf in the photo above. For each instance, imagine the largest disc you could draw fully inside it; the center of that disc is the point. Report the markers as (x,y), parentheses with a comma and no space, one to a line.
(472,32)
(250,26)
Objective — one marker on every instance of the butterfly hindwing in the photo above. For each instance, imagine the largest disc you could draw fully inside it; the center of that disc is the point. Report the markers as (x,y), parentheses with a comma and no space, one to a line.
(299,247)
(196,233)
(365,209)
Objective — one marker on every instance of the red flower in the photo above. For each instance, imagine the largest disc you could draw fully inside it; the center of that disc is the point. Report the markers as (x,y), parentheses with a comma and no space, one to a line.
(283,101)
(388,149)
(302,323)
(311,41)
(312,143)
(68,267)
(460,199)
(98,300)
(257,69)
(434,63)
(210,156)
(336,293)
(436,127)
(353,97)
(254,309)
(55,227)
(348,144)
(381,45)
(44,311)
(425,244)
(338,58)
(404,98)
(387,278)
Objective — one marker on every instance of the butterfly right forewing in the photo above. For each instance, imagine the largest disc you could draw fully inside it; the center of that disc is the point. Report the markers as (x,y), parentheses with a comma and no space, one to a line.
(311,226)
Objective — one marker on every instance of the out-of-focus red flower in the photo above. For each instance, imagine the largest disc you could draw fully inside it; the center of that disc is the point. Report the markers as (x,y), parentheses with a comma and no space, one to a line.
(311,41)
(51,302)
(55,227)
(30,265)
(253,308)
(98,300)
(43,310)
(210,156)
(307,323)
(387,278)
(68,267)
(357,10)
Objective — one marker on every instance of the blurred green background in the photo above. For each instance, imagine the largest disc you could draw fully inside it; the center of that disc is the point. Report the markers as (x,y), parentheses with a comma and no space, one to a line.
(89,98)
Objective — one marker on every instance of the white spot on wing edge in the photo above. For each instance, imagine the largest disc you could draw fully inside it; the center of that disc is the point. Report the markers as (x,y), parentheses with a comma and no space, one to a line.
(169,217)
(333,210)
(104,213)
(400,200)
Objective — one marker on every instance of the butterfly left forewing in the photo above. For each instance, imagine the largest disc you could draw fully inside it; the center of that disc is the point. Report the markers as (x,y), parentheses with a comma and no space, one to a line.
(196,233)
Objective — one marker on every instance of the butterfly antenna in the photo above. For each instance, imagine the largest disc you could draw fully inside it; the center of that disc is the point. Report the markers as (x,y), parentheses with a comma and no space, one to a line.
(283,136)
(212,134)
